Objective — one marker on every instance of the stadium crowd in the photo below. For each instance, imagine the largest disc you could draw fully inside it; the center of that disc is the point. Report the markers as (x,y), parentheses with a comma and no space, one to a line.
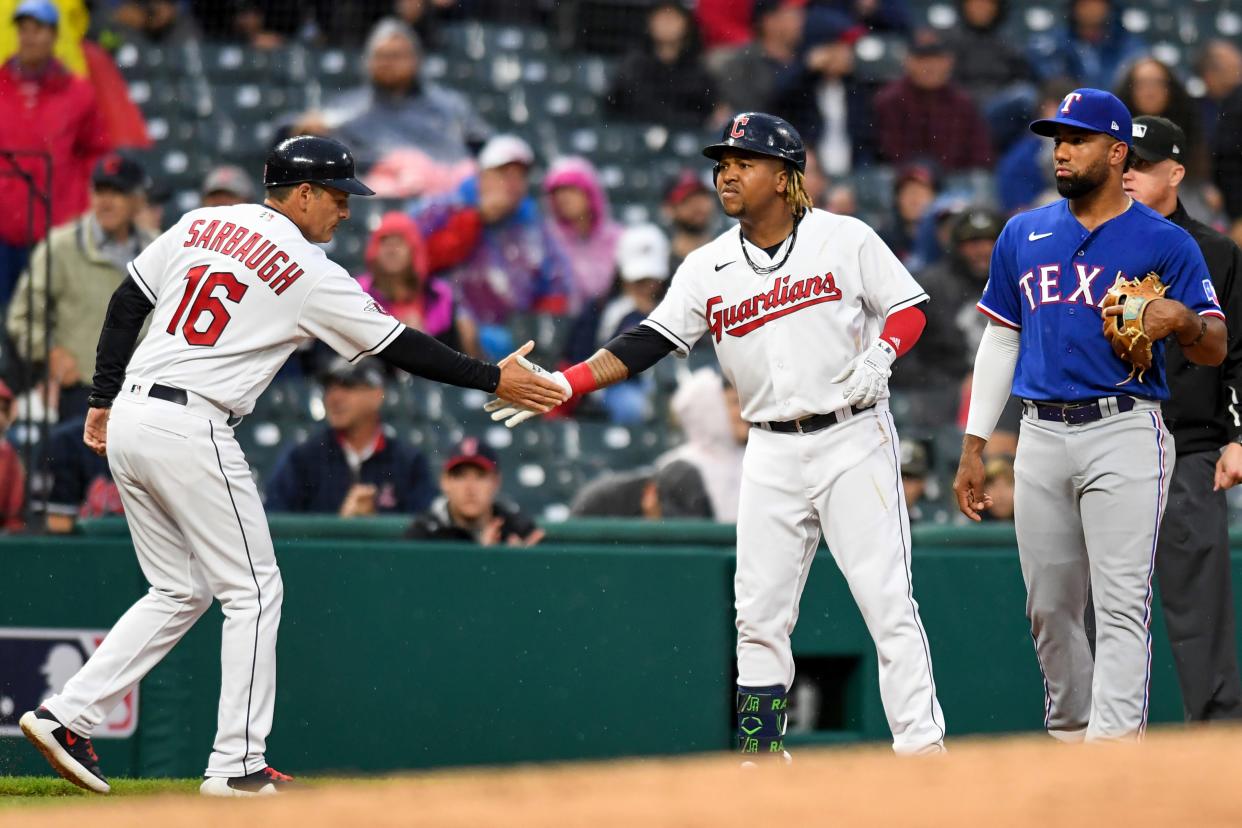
(914,115)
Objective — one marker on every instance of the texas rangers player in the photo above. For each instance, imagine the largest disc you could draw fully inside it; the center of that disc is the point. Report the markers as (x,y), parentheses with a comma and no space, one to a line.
(234,290)
(1094,455)
(807,311)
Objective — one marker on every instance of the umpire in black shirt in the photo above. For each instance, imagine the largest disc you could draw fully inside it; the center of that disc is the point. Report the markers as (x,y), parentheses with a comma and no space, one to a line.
(1203,412)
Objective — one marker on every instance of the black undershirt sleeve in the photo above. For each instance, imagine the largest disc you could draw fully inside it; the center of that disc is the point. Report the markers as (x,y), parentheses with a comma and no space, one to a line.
(426,356)
(127,310)
(639,348)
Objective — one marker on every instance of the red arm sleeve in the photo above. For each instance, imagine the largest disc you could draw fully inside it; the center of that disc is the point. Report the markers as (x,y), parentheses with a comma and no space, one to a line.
(903,328)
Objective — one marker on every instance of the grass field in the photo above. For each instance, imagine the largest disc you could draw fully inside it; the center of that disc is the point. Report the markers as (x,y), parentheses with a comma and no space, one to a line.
(27,790)
(1176,777)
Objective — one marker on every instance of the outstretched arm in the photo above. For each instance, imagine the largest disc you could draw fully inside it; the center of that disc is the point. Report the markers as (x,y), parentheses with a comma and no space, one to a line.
(626,355)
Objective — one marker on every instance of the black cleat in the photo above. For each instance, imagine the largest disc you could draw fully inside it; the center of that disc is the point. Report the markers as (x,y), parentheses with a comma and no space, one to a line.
(72,756)
(260,783)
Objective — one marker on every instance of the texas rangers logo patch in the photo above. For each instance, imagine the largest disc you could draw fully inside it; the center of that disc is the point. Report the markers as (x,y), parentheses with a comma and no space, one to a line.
(1209,290)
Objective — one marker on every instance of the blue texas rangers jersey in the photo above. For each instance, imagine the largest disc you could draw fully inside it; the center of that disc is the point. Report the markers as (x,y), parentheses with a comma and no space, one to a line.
(1049,277)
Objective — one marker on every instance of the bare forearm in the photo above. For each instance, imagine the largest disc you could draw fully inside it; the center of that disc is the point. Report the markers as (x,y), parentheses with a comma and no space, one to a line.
(1204,337)
(606,369)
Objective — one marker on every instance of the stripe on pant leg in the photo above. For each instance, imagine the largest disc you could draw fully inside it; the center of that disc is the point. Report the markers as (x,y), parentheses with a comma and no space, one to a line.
(1151,566)
(906,554)
(254,656)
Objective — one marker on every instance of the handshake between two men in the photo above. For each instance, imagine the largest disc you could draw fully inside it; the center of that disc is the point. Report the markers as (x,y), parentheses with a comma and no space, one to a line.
(526,389)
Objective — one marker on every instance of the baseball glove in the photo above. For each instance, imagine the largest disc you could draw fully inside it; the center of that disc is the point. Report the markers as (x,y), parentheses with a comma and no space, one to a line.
(1125,332)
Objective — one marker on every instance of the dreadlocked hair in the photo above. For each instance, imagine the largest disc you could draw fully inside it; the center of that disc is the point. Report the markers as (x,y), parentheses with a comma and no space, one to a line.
(796,196)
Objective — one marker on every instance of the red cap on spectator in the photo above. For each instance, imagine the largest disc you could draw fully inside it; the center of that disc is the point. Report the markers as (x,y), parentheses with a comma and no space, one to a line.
(472,452)
(5,392)
(686,184)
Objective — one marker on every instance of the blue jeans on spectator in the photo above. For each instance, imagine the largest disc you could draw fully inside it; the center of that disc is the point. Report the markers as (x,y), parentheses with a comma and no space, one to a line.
(13,260)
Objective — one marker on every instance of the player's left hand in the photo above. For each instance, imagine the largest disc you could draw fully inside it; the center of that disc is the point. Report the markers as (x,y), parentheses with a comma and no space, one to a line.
(95,435)
(1229,467)
(866,377)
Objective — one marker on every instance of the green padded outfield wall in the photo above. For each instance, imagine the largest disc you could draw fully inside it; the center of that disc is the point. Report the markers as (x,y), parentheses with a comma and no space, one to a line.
(607,640)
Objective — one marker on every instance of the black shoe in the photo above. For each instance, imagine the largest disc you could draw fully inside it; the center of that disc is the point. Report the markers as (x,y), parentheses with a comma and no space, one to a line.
(72,756)
(260,783)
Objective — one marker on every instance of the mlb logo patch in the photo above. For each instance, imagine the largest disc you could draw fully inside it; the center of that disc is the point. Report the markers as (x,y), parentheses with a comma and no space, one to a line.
(37,661)
(1209,290)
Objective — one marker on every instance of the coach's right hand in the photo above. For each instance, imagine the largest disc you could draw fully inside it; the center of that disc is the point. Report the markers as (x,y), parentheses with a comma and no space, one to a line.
(524,387)
(968,484)
(95,435)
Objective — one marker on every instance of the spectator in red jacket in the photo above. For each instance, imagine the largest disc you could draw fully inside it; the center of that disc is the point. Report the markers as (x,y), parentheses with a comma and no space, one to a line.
(12,477)
(924,115)
(489,240)
(43,108)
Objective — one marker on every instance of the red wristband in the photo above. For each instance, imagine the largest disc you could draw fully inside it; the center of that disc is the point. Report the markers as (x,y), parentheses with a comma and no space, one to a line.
(581,380)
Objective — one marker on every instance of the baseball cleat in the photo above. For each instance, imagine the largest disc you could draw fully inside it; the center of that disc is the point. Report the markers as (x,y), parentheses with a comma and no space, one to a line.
(71,755)
(260,783)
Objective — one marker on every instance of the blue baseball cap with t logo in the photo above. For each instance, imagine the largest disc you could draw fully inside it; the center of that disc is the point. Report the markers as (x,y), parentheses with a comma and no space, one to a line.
(1091,109)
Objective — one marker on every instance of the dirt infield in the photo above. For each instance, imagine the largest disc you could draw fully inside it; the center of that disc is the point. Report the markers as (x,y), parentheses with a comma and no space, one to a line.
(1176,778)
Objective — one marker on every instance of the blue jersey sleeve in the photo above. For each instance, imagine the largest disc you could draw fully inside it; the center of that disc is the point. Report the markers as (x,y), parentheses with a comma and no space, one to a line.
(1186,274)
(1000,301)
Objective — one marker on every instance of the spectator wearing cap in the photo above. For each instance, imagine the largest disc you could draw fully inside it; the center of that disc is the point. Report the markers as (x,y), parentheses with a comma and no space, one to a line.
(398,278)
(43,109)
(947,347)
(1024,172)
(747,78)
(664,79)
(691,212)
(1192,555)
(823,99)
(81,484)
(580,222)
(923,114)
(399,110)
(227,185)
(642,261)
(914,190)
(353,466)
(12,477)
(917,484)
(998,484)
(470,507)
(488,238)
(1090,49)
(89,256)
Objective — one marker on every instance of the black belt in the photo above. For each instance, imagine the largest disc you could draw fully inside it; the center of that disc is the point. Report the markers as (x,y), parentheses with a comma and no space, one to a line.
(180,397)
(807,425)
(1077,413)
(169,394)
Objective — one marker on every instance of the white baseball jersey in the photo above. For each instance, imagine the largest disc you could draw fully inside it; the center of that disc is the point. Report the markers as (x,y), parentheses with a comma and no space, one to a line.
(236,290)
(781,337)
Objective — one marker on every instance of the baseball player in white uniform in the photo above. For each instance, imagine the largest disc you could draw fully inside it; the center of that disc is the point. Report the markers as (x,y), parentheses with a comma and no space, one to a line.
(233,290)
(807,311)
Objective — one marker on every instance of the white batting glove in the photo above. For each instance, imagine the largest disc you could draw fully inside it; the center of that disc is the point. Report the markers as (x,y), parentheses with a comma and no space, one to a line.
(513,414)
(866,377)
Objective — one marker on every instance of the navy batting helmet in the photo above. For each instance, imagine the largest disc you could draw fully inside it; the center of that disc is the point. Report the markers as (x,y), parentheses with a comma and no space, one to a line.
(315,160)
(762,133)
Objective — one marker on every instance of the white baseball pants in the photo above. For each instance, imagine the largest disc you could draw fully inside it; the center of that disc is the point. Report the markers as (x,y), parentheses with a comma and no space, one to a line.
(199,531)
(845,480)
